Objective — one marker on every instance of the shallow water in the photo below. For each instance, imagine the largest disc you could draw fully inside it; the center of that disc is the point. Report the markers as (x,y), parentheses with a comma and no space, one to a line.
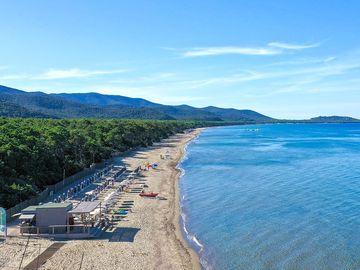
(283,197)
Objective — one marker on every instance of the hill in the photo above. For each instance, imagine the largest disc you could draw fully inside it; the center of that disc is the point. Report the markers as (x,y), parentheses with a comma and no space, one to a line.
(95,105)
(9,109)
(42,104)
(18,103)
(105,100)
(176,112)
(236,115)
(334,119)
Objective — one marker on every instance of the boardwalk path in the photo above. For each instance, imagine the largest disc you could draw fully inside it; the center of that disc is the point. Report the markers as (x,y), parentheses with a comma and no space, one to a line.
(43,257)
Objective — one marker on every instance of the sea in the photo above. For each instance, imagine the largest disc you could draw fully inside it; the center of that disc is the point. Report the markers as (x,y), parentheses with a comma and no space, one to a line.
(280,196)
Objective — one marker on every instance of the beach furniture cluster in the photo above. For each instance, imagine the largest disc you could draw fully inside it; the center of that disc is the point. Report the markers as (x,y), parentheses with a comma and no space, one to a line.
(149,165)
(90,206)
(83,184)
(81,205)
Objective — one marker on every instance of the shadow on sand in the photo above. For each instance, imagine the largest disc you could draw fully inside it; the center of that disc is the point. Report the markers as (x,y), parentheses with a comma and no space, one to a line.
(123,234)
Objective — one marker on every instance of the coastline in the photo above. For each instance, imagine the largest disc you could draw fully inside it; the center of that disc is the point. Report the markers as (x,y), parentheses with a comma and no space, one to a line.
(158,243)
(195,260)
(192,242)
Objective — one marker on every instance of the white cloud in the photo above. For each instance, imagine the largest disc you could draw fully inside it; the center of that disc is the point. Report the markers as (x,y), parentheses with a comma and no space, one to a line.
(272,48)
(329,59)
(312,74)
(288,46)
(304,61)
(57,74)
(209,51)
(176,100)
(14,77)
(159,76)
(224,80)
(152,93)
(53,74)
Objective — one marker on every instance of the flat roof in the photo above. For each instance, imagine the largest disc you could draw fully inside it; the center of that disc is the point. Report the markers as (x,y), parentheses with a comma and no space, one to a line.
(32,208)
(54,205)
(85,207)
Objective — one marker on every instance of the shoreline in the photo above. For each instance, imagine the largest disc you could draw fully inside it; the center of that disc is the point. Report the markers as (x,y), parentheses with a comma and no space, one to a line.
(195,259)
(158,241)
(191,240)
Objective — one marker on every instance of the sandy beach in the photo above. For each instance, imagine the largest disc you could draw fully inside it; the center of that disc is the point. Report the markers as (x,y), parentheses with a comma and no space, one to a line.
(149,238)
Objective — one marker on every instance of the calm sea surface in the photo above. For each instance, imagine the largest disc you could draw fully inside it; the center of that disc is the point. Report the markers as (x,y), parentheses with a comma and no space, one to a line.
(274,196)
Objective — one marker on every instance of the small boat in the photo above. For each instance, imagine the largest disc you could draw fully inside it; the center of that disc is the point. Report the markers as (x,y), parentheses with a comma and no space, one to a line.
(149,194)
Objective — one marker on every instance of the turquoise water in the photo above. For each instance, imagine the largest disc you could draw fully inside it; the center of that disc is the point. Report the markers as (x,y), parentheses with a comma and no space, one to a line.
(281,197)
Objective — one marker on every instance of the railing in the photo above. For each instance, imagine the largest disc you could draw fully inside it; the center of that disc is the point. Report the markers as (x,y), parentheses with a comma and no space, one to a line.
(56,229)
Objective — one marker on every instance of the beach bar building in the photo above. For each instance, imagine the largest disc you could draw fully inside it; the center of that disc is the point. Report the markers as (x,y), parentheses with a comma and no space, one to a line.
(48,214)
(52,214)
(60,219)
(44,218)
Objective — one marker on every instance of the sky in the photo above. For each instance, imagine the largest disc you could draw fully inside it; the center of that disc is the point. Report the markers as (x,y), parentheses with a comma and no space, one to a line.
(283,58)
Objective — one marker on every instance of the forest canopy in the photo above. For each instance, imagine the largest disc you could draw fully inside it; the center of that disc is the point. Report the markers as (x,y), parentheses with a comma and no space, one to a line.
(35,153)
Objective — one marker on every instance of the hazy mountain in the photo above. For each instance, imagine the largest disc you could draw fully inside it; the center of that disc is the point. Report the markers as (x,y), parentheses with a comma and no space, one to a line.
(334,119)
(105,100)
(233,114)
(177,112)
(58,107)
(17,103)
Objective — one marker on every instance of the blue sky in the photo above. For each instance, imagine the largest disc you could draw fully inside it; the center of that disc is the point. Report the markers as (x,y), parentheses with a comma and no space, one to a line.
(286,59)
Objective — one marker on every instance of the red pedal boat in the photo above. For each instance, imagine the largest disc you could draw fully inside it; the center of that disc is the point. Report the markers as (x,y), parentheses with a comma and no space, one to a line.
(149,194)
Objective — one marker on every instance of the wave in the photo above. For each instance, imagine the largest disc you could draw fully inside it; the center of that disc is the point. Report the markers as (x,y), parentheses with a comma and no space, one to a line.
(264,147)
(193,241)
(185,155)
(196,241)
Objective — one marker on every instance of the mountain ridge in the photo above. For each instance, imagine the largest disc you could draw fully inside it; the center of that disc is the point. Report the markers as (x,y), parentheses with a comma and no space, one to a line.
(176,111)
(95,105)
(57,107)
(19,103)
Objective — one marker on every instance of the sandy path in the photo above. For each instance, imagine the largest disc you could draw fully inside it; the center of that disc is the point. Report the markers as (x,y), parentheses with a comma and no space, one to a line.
(149,238)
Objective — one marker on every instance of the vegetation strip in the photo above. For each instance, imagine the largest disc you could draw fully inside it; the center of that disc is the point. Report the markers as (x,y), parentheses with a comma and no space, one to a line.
(35,153)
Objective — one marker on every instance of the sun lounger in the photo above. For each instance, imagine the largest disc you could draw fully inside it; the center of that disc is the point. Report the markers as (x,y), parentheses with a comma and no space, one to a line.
(126,205)
(121,212)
